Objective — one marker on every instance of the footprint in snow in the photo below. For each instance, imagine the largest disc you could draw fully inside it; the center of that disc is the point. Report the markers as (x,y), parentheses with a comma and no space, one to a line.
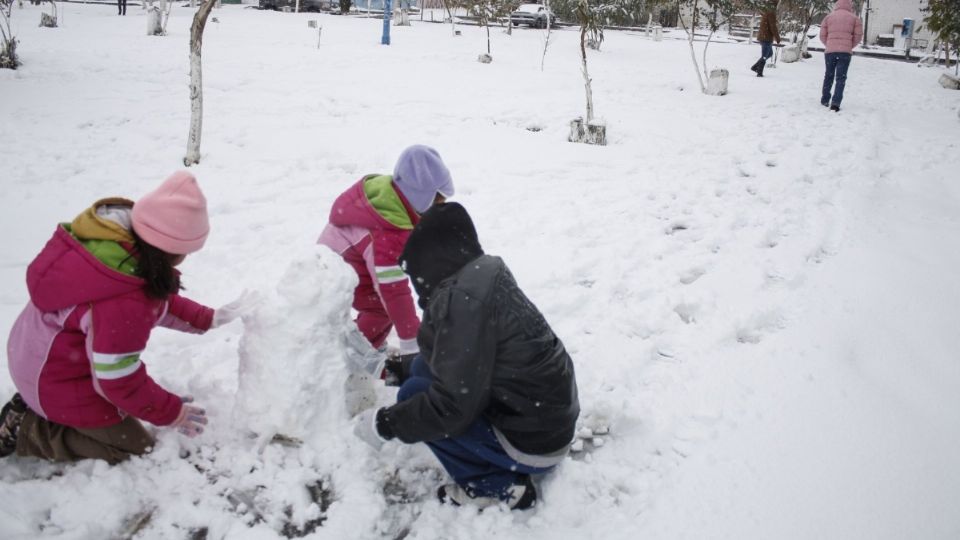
(687,312)
(691,275)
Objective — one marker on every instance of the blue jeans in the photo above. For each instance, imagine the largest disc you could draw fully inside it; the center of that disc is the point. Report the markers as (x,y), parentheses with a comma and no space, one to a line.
(766,49)
(474,459)
(837,65)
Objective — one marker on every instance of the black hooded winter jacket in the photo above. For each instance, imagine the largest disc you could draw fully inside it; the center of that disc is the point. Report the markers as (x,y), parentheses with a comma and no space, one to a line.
(490,351)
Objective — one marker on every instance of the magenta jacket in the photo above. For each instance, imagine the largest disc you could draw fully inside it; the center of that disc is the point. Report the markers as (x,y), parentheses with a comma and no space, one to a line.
(74,351)
(372,245)
(841,30)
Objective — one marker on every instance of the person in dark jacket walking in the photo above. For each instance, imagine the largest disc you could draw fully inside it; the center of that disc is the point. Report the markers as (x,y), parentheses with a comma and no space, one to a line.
(766,36)
(493,392)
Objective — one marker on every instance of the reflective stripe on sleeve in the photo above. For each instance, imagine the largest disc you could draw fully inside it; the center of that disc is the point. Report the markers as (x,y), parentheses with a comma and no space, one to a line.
(115,366)
(390,274)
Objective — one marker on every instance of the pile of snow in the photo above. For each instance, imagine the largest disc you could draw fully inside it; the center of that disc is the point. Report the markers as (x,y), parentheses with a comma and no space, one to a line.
(292,352)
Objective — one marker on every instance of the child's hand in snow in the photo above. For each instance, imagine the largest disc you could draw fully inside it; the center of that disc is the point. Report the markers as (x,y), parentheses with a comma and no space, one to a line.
(191,419)
(243,305)
(361,357)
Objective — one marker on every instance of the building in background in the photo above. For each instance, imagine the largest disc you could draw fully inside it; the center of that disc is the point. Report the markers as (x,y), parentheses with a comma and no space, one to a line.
(884,21)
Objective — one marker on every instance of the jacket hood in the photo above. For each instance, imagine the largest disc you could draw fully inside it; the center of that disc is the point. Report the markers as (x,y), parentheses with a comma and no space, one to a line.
(107,219)
(354,208)
(440,245)
(66,273)
(845,5)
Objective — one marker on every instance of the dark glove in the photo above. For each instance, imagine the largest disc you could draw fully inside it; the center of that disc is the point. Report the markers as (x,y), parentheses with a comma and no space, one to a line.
(396,369)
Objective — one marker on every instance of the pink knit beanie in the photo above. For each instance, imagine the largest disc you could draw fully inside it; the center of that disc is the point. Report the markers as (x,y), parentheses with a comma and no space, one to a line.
(173,217)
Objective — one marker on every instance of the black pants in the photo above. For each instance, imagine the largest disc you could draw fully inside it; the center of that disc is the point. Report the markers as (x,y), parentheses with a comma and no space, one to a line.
(121,7)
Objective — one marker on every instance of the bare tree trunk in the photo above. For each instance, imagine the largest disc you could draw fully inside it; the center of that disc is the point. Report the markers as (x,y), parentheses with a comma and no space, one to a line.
(453,25)
(706,74)
(196,83)
(690,34)
(166,16)
(546,42)
(586,75)
(487,25)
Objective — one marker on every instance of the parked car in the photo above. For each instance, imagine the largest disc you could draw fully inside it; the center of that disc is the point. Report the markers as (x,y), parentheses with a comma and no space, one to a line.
(305,5)
(533,15)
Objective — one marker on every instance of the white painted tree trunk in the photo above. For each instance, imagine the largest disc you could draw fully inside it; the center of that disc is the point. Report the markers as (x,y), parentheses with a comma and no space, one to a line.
(166,16)
(586,75)
(196,83)
(154,21)
(693,53)
(546,41)
(696,65)
(718,82)
(790,54)
(49,20)
(949,82)
(706,72)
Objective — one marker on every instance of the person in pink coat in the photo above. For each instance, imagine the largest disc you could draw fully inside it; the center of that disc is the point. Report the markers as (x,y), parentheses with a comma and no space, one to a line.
(369,225)
(97,290)
(840,32)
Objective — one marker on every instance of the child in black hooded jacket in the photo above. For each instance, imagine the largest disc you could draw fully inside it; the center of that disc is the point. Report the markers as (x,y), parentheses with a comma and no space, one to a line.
(493,392)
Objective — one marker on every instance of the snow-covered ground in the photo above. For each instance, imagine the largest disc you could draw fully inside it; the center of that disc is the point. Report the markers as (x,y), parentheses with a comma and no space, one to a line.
(760,295)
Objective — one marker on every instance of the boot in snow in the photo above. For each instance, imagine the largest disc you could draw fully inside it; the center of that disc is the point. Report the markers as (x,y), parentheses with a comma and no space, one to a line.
(757,65)
(10,418)
(519,496)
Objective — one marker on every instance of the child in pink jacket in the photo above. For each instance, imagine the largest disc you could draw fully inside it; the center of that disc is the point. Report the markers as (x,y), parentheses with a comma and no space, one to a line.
(97,290)
(369,226)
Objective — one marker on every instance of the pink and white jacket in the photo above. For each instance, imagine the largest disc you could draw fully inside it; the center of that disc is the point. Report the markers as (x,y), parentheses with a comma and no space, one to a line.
(841,30)
(74,351)
(359,231)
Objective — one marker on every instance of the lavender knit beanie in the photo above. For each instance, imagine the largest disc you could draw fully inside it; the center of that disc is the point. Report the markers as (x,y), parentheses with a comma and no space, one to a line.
(420,174)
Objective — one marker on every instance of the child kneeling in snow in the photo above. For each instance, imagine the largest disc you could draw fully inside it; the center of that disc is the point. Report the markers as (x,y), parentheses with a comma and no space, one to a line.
(97,289)
(493,392)
(369,225)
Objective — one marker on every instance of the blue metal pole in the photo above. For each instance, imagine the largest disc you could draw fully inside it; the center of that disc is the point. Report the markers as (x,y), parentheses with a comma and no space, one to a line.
(387,11)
